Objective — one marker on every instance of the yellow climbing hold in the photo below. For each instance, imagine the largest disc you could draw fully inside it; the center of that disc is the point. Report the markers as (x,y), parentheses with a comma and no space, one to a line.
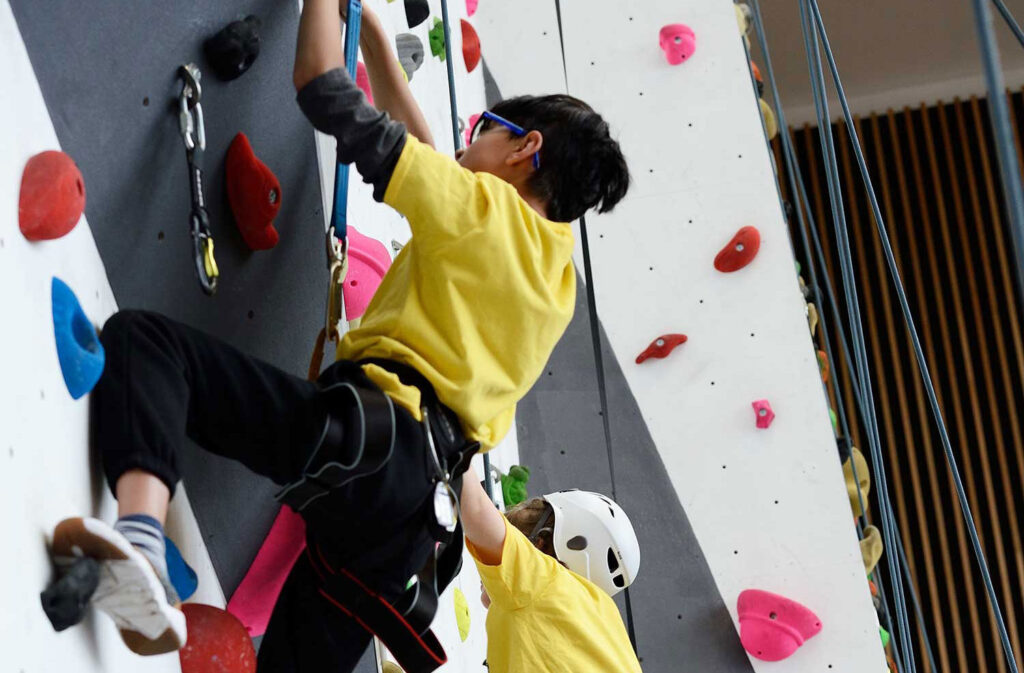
(462,614)
(863,477)
(770,125)
(812,318)
(391,667)
(871,548)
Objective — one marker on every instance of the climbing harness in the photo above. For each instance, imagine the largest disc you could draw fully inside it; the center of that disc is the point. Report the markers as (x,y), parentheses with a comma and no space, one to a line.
(368,442)
(193,133)
(336,236)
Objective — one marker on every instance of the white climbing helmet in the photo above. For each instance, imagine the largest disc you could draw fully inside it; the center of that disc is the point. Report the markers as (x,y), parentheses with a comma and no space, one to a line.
(594,538)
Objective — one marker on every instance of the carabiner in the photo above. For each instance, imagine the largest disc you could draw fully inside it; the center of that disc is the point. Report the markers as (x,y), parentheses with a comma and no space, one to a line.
(337,265)
(193,133)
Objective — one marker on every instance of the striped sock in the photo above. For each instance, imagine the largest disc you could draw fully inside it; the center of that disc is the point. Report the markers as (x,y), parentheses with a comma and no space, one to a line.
(147,536)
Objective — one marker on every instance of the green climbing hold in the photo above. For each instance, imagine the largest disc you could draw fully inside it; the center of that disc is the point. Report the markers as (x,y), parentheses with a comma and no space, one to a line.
(798,267)
(513,485)
(436,36)
(885,637)
(835,420)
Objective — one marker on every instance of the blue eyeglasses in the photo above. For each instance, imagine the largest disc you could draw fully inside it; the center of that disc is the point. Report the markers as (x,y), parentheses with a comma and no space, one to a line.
(516,129)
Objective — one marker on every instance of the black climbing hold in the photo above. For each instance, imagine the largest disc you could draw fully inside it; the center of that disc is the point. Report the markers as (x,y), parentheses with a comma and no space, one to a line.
(65,601)
(416,12)
(231,51)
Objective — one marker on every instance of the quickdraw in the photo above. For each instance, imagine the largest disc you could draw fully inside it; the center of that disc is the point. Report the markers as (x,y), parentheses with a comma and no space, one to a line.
(193,133)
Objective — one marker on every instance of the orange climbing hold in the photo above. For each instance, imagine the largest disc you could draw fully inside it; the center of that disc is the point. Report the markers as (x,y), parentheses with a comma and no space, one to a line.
(740,251)
(470,46)
(52,196)
(823,366)
(661,347)
(217,642)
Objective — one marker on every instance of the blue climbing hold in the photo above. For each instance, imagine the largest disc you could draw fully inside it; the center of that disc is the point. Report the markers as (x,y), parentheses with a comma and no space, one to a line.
(78,347)
(182,577)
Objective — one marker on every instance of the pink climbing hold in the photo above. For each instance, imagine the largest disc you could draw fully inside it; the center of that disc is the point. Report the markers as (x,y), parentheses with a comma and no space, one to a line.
(764,412)
(471,7)
(363,81)
(473,119)
(368,261)
(678,41)
(52,196)
(254,599)
(773,627)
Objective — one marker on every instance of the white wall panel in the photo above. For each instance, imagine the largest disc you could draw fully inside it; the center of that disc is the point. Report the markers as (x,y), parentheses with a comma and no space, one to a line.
(768,506)
(48,472)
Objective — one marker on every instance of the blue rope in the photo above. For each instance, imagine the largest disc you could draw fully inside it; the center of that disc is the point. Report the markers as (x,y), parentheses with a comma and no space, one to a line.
(339,212)
(1002,128)
(1010,21)
(996,95)
(856,327)
(797,184)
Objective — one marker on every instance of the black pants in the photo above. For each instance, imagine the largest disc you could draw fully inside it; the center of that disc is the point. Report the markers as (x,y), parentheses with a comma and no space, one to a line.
(165,381)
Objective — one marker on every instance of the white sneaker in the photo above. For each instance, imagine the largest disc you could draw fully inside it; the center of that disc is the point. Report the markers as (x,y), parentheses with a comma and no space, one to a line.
(129,589)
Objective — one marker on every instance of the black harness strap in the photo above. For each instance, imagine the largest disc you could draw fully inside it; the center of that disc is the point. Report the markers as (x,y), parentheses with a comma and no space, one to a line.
(369,417)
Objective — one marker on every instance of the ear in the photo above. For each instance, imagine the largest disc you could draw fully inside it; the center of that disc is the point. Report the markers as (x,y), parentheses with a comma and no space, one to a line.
(526,147)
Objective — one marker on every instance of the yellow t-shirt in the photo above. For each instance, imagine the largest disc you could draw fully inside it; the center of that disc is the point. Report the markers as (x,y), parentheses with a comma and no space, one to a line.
(477,299)
(547,619)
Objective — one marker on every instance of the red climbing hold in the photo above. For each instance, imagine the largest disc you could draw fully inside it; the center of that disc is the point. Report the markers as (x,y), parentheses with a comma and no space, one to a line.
(773,627)
(363,81)
(740,251)
(764,412)
(217,642)
(52,196)
(661,346)
(678,41)
(254,194)
(471,7)
(470,46)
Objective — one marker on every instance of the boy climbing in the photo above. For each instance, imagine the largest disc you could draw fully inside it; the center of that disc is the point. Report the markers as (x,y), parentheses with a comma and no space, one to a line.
(549,569)
(372,453)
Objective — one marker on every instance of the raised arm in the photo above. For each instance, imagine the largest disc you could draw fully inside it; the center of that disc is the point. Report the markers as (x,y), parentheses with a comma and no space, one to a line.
(334,104)
(390,89)
(482,523)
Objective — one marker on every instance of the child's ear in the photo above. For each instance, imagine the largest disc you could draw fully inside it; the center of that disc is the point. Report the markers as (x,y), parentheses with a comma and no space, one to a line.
(527,147)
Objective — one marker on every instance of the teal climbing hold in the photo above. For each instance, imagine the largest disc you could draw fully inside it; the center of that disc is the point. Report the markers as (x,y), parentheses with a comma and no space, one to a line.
(513,485)
(79,350)
(183,578)
(436,36)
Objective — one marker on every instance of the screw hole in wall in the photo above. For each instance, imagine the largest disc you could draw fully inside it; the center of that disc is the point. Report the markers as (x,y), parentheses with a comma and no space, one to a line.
(145,102)
(251,314)
(159,235)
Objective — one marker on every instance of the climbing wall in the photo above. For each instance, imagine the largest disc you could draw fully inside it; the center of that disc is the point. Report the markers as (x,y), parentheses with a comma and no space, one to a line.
(753,508)
(48,472)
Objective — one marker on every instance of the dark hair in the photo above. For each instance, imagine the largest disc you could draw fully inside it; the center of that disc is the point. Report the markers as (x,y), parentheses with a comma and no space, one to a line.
(581,165)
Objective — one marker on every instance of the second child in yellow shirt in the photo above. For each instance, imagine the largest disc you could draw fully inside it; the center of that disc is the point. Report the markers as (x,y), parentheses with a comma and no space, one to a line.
(549,569)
